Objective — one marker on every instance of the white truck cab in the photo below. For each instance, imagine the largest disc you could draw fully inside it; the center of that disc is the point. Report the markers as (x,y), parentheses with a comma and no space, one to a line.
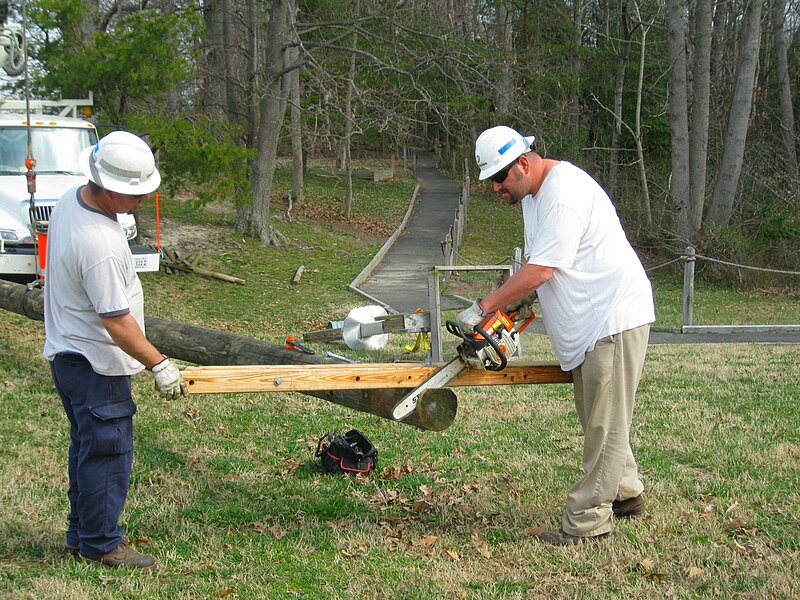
(56,142)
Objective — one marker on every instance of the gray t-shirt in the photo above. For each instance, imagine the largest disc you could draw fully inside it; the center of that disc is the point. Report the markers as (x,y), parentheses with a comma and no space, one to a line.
(89,274)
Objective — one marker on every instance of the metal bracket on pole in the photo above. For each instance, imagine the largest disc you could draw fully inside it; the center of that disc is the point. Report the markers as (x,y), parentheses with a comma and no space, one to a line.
(435,296)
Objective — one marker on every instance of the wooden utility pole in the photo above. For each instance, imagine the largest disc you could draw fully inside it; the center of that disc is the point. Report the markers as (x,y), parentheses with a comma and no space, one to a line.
(203,346)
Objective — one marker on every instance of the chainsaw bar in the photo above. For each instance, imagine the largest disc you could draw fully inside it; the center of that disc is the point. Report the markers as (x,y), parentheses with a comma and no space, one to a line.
(492,340)
(438,380)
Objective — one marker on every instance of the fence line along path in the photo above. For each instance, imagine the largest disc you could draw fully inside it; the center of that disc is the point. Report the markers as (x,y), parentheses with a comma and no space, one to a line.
(400,281)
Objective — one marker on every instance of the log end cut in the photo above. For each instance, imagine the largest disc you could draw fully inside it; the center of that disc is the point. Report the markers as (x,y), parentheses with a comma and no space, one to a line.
(436,409)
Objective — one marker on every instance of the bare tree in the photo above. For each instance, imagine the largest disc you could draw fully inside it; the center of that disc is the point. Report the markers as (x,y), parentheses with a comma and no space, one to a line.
(785,94)
(298,188)
(701,98)
(619,89)
(679,122)
(637,132)
(573,114)
(349,116)
(721,207)
(221,90)
(257,220)
(505,79)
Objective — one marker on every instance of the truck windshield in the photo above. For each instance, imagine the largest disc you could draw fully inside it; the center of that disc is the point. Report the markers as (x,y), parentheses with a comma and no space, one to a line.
(55,149)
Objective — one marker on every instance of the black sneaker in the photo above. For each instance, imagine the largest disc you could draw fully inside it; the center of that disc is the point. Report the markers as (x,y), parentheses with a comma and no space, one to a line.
(632,507)
(124,556)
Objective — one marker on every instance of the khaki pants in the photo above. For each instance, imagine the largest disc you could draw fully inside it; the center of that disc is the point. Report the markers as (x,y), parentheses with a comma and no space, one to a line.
(605,390)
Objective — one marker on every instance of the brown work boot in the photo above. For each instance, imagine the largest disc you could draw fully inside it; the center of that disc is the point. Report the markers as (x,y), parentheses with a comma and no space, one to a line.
(124,556)
(632,507)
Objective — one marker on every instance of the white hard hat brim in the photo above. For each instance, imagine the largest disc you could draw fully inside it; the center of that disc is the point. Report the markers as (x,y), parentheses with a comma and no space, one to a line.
(512,156)
(108,182)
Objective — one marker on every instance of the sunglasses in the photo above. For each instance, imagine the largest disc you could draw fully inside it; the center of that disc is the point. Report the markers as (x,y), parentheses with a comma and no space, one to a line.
(502,175)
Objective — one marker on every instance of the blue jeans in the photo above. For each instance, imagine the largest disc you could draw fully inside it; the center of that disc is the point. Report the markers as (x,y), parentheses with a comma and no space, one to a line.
(100,412)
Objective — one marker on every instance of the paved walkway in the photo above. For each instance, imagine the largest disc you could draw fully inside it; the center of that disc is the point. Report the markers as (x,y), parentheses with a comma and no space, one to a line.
(401,279)
(768,337)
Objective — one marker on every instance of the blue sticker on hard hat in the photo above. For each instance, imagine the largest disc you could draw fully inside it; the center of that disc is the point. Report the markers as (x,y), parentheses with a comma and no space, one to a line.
(508,145)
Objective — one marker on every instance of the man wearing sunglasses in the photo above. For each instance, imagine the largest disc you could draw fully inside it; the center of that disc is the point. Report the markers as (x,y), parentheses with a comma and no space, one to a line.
(597,305)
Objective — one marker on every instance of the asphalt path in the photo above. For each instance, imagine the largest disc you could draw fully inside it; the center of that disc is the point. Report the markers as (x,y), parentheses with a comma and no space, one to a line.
(401,279)
(744,337)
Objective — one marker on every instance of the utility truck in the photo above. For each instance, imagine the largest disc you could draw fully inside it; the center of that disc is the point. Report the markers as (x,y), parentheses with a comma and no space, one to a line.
(40,141)
(57,136)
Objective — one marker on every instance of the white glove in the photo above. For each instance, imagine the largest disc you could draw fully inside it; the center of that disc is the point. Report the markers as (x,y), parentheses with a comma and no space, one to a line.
(467,319)
(169,381)
(523,307)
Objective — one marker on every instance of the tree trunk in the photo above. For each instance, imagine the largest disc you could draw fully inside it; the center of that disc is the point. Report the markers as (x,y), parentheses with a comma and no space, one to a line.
(721,208)
(573,116)
(252,83)
(349,115)
(504,90)
(459,11)
(785,95)
(212,95)
(204,346)
(619,88)
(224,62)
(679,123)
(273,106)
(298,170)
(701,92)
(645,203)
(229,55)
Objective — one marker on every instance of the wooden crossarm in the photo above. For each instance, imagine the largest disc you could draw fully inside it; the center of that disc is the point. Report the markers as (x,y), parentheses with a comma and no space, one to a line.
(306,378)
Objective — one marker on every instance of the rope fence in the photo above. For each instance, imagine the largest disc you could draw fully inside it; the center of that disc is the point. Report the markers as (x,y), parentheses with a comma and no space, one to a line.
(730,264)
(689,259)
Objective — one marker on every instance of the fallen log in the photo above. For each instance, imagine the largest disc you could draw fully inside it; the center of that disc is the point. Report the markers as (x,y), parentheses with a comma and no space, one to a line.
(173,262)
(204,346)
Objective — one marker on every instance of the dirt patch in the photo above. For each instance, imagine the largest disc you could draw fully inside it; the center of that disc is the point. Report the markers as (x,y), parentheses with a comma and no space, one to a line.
(191,238)
(210,239)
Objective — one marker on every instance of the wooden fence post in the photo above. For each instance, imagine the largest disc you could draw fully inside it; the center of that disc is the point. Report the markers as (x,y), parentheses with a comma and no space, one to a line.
(688,286)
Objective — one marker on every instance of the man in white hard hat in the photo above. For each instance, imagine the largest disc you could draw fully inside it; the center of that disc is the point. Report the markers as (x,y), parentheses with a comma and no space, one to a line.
(597,306)
(95,341)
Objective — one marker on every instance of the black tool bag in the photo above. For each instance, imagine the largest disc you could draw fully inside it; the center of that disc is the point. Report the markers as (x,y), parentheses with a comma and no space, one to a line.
(348,453)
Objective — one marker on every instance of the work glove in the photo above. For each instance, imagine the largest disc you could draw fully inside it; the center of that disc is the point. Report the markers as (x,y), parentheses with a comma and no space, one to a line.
(467,319)
(169,381)
(523,307)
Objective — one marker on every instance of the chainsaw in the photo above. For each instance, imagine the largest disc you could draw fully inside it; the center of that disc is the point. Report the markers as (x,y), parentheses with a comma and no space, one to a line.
(487,347)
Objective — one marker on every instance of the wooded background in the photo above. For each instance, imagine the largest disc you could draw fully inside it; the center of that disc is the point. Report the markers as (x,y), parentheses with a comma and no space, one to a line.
(684,111)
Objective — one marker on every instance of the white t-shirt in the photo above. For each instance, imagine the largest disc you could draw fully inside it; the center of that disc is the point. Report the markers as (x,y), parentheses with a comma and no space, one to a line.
(89,274)
(599,286)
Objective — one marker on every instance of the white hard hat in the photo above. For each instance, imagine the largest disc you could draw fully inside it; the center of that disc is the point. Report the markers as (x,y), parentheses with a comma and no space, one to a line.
(499,146)
(121,162)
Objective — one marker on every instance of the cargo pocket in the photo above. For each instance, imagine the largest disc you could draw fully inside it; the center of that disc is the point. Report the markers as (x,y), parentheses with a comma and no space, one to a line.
(113,426)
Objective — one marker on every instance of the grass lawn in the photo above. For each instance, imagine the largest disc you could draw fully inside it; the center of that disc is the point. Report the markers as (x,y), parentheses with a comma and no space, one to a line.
(227,494)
